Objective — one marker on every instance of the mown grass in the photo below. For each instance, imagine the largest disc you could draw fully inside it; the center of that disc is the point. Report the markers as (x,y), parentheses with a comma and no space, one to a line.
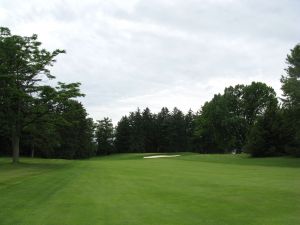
(127,189)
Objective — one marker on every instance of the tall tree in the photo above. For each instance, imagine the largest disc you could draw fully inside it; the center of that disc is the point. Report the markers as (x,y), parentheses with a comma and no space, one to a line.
(105,136)
(76,132)
(210,126)
(267,137)
(148,128)
(177,132)
(162,130)
(235,124)
(137,137)
(24,98)
(123,135)
(291,101)
(189,130)
(257,98)
(224,123)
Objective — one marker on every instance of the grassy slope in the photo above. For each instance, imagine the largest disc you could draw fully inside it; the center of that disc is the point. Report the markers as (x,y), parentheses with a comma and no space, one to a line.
(126,189)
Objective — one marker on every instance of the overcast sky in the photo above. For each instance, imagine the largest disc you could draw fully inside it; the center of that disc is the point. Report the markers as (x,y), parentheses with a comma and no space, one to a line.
(155,53)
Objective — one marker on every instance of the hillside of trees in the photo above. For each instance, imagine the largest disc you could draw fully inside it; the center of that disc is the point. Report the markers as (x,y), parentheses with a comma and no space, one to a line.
(37,119)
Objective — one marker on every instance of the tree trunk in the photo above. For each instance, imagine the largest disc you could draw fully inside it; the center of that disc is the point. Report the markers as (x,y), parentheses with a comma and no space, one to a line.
(32,149)
(16,133)
(16,146)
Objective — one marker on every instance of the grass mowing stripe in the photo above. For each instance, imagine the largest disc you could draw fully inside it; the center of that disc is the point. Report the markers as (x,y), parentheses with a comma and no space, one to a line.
(127,189)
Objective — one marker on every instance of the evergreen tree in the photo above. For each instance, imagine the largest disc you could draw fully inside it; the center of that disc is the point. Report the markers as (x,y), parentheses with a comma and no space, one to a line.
(189,131)
(148,128)
(137,138)
(105,136)
(291,101)
(123,135)
(163,120)
(177,132)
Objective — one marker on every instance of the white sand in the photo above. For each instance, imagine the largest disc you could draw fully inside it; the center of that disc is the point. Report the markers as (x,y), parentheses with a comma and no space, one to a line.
(159,156)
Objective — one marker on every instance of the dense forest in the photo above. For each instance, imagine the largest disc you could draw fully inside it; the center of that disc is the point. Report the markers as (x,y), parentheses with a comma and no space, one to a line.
(37,119)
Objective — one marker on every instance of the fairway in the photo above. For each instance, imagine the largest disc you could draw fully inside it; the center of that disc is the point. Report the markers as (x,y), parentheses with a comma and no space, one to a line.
(191,189)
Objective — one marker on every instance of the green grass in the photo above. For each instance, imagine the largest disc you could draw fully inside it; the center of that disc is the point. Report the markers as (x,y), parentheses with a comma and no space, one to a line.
(127,189)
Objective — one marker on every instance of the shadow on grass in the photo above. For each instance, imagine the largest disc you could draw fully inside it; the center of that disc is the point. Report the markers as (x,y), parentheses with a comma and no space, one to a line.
(36,164)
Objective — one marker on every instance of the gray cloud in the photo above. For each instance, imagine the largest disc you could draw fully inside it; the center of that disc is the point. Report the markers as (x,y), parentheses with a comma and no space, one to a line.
(130,54)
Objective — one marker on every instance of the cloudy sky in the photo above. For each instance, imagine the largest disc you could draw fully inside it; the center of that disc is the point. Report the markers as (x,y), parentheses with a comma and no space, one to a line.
(155,53)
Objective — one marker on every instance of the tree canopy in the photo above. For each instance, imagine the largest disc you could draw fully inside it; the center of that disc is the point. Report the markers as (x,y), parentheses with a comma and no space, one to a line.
(24,98)
(48,120)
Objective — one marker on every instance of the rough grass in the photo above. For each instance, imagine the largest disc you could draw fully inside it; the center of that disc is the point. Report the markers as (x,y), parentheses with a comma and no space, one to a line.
(127,189)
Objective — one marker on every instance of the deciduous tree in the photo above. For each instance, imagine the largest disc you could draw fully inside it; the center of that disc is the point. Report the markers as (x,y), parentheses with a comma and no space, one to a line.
(24,98)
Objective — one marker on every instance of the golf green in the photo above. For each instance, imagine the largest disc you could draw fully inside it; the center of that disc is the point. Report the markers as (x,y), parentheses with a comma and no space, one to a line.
(191,189)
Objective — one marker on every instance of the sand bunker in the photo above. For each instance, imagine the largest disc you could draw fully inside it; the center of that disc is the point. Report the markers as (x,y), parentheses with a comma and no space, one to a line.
(159,156)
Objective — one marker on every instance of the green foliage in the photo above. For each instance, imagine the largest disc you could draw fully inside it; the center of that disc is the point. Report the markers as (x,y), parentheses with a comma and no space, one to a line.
(76,132)
(267,136)
(177,131)
(277,131)
(148,130)
(292,75)
(291,100)
(105,136)
(162,132)
(189,131)
(163,120)
(51,123)
(122,135)
(25,100)
(256,99)
(137,143)
(224,123)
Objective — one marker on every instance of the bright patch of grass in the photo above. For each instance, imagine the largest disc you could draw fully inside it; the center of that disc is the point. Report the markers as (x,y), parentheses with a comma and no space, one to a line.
(127,189)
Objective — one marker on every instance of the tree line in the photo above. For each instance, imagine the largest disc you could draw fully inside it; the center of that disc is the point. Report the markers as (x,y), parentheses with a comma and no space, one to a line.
(43,120)
(245,118)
